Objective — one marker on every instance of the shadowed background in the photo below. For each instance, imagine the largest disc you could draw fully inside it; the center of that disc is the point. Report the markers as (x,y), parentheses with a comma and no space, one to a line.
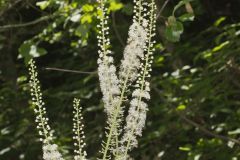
(194,111)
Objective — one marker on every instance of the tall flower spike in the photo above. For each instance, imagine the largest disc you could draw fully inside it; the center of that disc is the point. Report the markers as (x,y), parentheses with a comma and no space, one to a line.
(50,151)
(109,82)
(79,136)
(43,127)
(136,118)
(128,72)
(133,53)
(137,10)
(106,70)
(136,44)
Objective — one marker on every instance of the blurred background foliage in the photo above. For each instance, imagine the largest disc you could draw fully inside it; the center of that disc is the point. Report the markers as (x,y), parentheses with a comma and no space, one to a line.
(194,112)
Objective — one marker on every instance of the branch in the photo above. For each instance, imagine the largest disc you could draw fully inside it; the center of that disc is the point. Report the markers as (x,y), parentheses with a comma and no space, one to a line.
(44,18)
(206,131)
(163,7)
(69,71)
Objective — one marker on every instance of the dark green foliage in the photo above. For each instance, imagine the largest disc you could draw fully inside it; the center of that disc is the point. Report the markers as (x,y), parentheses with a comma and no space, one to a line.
(194,110)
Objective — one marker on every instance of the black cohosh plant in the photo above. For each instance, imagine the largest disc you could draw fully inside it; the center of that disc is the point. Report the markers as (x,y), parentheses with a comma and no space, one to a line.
(133,75)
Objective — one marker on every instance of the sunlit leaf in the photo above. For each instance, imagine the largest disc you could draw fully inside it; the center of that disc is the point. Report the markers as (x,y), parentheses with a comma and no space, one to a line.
(87,8)
(86,18)
(181,107)
(114,6)
(43,4)
(219,21)
(184,148)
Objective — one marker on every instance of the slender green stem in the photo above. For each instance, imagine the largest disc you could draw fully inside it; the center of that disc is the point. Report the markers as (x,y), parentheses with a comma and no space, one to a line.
(116,113)
(35,81)
(78,133)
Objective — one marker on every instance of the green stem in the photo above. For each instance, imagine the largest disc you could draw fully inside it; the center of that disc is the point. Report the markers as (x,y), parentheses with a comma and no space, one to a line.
(78,132)
(40,110)
(113,125)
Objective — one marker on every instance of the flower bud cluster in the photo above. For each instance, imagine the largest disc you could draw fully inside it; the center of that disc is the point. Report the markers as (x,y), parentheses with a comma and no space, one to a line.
(79,136)
(50,152)
(133,53)
(43,127)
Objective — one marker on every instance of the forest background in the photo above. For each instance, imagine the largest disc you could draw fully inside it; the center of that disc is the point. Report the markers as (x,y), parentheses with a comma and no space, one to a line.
(194,112)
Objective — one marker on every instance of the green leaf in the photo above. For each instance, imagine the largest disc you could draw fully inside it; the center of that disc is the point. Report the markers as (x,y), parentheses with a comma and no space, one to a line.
(220,46)
(41,51)
(171,20)
(29,50)
(184,149)
(87,8)
(86,18)
(187,17)
(114,6)
(24,49)
(43,4)
(160,59)
(159,46)
(82,31)
(181,107)
(21,79)
(219,21)
(174,30)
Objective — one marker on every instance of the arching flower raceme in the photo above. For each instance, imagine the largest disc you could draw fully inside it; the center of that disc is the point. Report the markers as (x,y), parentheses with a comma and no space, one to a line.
(136,118)
(43,127)
(109,82)
(50,151)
